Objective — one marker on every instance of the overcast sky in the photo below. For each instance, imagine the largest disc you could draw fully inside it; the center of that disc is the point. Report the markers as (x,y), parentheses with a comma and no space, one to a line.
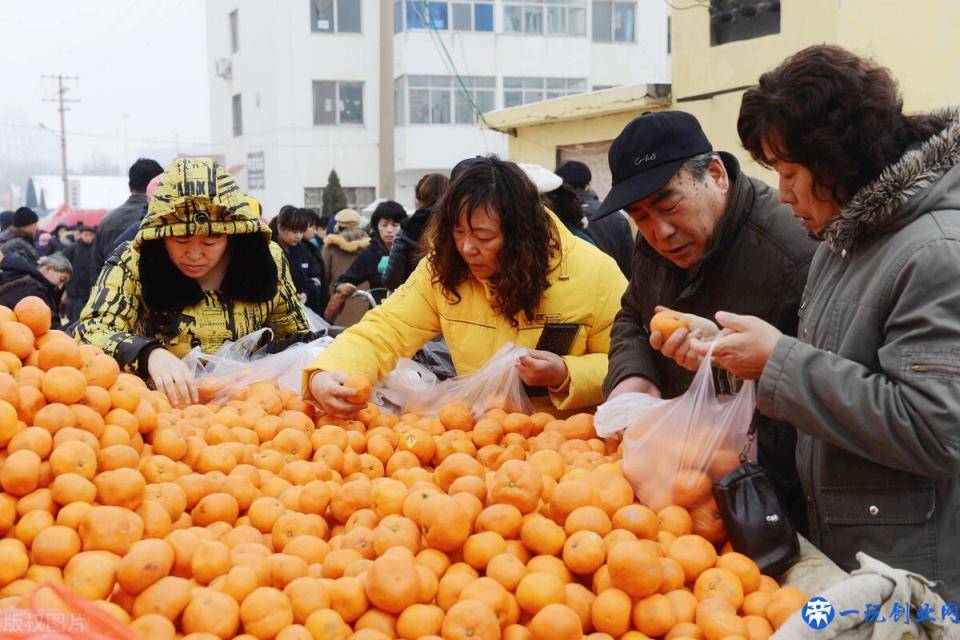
(142,58)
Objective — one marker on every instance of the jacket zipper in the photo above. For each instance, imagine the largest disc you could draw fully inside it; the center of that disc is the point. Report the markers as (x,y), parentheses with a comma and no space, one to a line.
(935,368)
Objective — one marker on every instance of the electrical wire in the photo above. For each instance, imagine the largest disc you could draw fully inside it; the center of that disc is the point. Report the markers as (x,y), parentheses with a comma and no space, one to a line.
(448,61)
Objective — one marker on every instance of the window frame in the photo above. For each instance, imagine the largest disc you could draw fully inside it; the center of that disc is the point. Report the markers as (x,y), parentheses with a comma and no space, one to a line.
(612,4)
(528,87)
(431,84)
(236,112)
(335,18)
(402,10)
(337,99)
(234,29)
(544,7)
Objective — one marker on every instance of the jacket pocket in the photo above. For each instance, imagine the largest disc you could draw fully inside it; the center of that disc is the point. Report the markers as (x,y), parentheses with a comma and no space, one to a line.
(892,523)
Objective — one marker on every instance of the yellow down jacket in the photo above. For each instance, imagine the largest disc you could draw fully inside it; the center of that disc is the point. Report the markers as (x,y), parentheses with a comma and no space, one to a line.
(585,288)
(141,301)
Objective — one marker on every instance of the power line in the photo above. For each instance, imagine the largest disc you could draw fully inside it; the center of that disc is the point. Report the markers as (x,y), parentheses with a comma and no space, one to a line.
(442,49)
(60,100)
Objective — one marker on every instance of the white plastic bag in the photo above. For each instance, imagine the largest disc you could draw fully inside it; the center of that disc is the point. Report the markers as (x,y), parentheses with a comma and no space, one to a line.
(411,388)
(239,364)
(674,450)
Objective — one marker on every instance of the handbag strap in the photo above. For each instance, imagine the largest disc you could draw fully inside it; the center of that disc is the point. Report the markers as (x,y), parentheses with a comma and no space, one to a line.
(751,439)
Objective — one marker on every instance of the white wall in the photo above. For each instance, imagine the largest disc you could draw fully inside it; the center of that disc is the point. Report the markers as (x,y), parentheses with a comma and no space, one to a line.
(279,57)
(274,68)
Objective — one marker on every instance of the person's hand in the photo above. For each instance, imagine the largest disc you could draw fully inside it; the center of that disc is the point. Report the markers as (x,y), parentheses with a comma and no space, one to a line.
(635,384)
(334,398)
(172,377)
(346,289)
(677,347)
(302,297)
(744,345)
(542,369)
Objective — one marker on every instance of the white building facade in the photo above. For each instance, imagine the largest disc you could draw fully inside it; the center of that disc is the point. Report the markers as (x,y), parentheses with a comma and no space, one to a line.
(296,84)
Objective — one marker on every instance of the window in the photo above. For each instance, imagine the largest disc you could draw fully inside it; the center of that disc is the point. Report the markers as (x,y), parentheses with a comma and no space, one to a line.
(337,102)
(517,91)
(468,15)
(441,99)
(237,116)
(552,17)
(614,21)
(234,32)
(359,197)
(732,20)
(313,198)
(335,16)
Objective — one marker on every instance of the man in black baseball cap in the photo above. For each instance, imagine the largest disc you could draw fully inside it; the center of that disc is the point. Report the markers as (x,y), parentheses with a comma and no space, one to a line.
(712,239)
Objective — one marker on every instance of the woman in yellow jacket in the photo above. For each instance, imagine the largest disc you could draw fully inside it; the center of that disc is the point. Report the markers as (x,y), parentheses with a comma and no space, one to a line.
(200,271)
(501,269)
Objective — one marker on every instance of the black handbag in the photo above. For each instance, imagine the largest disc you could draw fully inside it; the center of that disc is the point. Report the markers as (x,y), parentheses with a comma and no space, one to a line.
(753,515)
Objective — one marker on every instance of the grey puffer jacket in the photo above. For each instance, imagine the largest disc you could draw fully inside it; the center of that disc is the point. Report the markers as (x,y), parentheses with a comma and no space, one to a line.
(872,383)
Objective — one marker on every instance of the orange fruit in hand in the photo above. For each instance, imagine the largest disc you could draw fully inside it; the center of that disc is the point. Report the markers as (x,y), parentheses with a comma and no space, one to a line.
(666,322)
(362,386)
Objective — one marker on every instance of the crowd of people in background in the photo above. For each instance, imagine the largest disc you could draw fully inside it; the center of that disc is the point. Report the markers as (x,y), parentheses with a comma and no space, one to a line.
(331,258)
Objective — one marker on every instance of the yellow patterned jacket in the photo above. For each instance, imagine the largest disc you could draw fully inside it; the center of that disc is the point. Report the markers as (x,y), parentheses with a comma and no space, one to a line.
(142,301)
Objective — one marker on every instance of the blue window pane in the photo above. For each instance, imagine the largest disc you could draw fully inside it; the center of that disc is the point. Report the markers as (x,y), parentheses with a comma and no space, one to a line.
(397,16)
(438,15)
(483,17)
(415,14)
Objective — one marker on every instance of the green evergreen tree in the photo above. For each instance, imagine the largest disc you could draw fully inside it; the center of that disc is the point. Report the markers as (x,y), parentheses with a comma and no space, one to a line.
(334,199)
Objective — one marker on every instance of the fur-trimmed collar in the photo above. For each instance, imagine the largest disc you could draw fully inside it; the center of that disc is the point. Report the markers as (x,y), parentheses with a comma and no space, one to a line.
(879,203)
(251,276)
(344,243)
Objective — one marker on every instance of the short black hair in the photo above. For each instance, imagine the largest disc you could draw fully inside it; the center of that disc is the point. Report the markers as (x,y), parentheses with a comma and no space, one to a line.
(315,219)
(387,210)
(142,172)
(293,218)
(575,173)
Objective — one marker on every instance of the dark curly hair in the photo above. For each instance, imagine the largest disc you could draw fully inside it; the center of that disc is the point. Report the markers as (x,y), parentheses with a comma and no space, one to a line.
(833,112)
(504,190)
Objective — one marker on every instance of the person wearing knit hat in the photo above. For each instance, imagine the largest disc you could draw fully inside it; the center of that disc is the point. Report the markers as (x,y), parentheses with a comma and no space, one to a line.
(611,234)
(200,271)
(23,229)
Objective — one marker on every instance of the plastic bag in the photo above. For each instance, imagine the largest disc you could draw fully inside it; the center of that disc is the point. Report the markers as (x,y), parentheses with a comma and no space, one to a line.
(412,388)
(674,450)
(237,365)
(87,621)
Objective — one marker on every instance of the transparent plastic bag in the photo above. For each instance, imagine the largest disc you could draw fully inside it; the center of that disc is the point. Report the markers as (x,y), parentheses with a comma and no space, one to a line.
(412,388)
(674,450)
(239,364)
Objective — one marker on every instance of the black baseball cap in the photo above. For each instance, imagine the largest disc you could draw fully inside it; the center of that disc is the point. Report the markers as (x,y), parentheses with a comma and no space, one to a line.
(647,153)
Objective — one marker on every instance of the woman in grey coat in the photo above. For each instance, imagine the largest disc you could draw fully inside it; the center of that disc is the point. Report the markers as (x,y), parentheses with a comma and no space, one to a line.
(872,382)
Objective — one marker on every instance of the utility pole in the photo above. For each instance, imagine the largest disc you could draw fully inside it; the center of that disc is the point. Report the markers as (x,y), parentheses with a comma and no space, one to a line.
(60,99)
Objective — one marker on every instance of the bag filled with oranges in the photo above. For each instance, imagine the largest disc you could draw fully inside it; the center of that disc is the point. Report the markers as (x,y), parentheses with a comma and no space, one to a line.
(412,388)
(675,450)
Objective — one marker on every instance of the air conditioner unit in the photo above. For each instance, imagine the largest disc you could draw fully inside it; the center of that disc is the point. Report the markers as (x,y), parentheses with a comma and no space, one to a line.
(224,68)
